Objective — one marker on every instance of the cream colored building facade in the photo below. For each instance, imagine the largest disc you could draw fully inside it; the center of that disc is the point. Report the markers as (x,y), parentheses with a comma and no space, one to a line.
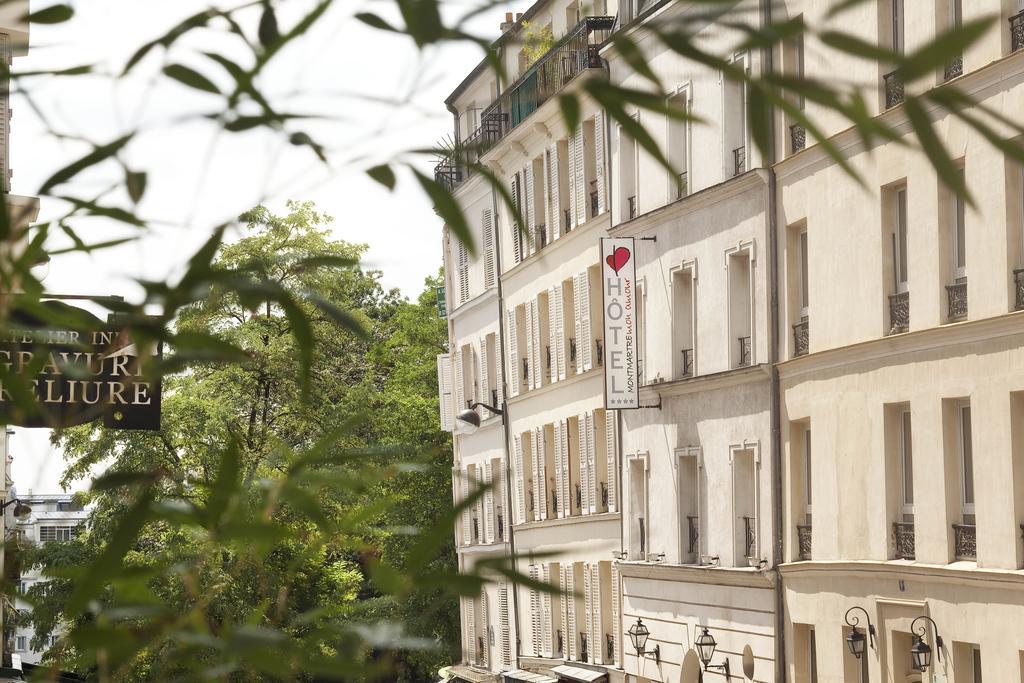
(832,376)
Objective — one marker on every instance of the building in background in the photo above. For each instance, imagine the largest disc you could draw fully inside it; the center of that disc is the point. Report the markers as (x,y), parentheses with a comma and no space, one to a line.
(55,518)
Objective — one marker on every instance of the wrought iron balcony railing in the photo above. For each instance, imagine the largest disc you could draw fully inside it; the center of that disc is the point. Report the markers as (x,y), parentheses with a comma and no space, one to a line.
(609,646)
(687,363)
(894,89)
(801,338)
(797,137)
(803,533)
(899,312)
(1017,31)
(567,220)
(739,160)
(749,536)
(583,647)
(903,538)
(744,351)
(572,349)
(631,201)
(683,188)
(956,294)
(954,68)
(541,236)
(1018,285)
(693,536)
(559,642)
(965,541)
(448,173)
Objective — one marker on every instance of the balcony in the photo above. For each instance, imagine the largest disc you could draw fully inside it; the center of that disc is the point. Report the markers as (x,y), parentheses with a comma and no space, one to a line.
(894,89)
(744,352)
(693,535)
(903,537)
(956,296)
(1017,31)
(803,534)
(739,160)
(797,137)
(801,338)
(1018,285)
(954,68)
(749,536)
(965,542)
(687,363)
(448,174)
(899,312)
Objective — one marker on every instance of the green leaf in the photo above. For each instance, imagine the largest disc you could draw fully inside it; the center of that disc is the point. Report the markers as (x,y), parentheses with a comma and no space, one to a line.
(570,107)
(135,181)
(383,175)
(268,32)
(169,38)
(55,14)
(97,155)
(374,21)
(191,78)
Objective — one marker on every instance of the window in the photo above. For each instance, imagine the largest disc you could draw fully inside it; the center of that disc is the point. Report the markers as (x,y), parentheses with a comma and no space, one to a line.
(812,662)
(678,141)
(638,527)
(689,506)
(740,308)
(804,281)
(734,121)
(976,665)
(966,461)
(959,235)
(744,504)
(906,468)
(57,533)
(627,176)
(683,321)
(21,644)
(807,475)
(897,26)
(68,506)
(900,239)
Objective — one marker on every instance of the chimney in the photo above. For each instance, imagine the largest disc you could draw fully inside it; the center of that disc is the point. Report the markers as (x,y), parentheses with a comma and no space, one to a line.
(507,24)
(519,15)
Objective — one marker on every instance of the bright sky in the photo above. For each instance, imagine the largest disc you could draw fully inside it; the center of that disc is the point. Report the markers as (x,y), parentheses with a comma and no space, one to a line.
(199,177)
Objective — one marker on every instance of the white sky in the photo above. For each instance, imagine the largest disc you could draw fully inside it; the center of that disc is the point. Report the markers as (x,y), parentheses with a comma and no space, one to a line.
(199,177)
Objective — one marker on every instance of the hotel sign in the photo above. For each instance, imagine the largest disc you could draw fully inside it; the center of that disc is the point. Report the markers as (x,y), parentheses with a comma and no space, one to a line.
(55,376)
(618,286)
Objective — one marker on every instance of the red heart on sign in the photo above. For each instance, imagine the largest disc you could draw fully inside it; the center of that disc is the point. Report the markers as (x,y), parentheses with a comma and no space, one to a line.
(618,259)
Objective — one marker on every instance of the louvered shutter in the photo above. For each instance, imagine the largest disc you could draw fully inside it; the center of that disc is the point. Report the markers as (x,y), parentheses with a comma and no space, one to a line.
(578,319)
(546,180)
(564,497)
(463,272)
(581,180)
(519,477)
(541,477)
(471,630)
(611,449)
(484,660)
(513,355)
(528,212)
(488,504)
(5,116)
(572,182)
(474,378)
(506,519)
(572,637)
(597,647)
(599,155)
(559,454)
(444,390)
(559,326)
(588,608)
(467,515)
(592,463)
(517,236)
(490,263)
(553,334)
(485,384)
(565,596)
(581,424)
(585,342)
(546,615)
(531,346)
(499,384)
(460,399)
(538,347)
(505,634)
(554,206)
(536,632)
(616,610)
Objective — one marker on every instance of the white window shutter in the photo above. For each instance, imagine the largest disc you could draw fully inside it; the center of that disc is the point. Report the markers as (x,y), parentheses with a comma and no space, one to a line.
(572,635)
(599,161)
(611,449)
(460,399)
(485,659)
(591,463)
(505,634)
(585,342)
(564,597)
(546,180)
(506,519)
(546,616)
(588,608)
(578,318)
(490,263)
(553,333)
(540,478)
(488,504)
(616,610)
(513,355)
(554,205)
(528,212)
(559,484)
(517,236)
(564,496)
(536,632)
(474,377)
(581,424)
(572,183)
(519,477)
(471,629)
(531,328)
(581,180)
(467,514)
(597,642)
(499,383)
(463,270)
(444,389)
(538,347)
(559,327)
(485,394)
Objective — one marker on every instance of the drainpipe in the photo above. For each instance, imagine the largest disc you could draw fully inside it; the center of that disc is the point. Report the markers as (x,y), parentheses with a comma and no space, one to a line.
(773,384)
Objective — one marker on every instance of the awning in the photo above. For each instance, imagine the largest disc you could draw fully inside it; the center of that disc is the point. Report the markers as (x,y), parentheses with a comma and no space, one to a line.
(520,676)
(468,674)
(575,673)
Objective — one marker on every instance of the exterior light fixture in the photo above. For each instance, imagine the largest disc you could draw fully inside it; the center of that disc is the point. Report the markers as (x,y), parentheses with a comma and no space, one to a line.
(468,421)
(706,645)
(855,641)
(638,634)
(920,652)
(21,511)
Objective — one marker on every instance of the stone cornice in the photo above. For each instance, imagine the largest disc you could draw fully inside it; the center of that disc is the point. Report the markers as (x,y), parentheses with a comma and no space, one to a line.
(955,574)
(719,576)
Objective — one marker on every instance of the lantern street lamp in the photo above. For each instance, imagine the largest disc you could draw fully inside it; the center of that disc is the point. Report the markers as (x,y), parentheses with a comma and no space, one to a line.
(920,652)
(21,511)
(638,634)
(706,645)
(468,421)
(855,641)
